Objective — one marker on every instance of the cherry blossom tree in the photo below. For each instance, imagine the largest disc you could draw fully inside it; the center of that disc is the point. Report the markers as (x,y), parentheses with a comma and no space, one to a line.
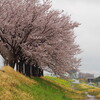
(37,37)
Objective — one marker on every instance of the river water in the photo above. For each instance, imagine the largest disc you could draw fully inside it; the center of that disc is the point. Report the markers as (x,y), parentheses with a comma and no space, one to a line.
(90,97)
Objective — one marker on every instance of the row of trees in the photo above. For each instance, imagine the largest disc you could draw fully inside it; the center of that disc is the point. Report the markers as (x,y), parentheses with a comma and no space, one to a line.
(35,37)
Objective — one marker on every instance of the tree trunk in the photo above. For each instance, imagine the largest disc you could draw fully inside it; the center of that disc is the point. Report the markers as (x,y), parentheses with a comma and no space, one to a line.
(20,67)
(12,63)
(37,72)
(40,72)
(27,70)
(17,67)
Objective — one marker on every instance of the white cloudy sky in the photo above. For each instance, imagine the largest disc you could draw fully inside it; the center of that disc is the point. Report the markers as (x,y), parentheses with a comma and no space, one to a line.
(86,12)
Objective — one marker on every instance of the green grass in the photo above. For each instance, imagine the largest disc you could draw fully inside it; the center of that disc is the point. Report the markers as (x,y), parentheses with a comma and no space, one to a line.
(15,86)
(67,86)
(45,90)
(63,82)
(83,87)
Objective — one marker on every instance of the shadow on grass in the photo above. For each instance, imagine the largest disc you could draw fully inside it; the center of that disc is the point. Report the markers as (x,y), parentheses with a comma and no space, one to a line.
(52,88)
(45,90)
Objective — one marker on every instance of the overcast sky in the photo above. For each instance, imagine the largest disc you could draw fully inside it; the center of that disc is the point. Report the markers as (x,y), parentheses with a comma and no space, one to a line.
(86,12)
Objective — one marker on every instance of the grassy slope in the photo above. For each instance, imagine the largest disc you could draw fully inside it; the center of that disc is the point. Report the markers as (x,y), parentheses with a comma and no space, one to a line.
(68,88)
(9,85)
(14,86)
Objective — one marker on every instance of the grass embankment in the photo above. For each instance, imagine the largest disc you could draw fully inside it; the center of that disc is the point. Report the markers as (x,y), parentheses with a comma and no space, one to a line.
(15,86)
(68,88)
(95,92)
(10,81)
(92,90)
(73,90)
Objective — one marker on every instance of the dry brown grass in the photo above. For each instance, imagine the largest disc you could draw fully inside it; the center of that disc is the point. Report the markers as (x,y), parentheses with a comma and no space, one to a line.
(95,92)
(9,81)
(16,75)
(98,96)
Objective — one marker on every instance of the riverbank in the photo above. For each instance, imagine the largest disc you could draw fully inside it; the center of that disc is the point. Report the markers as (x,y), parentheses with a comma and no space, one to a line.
(15,86)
